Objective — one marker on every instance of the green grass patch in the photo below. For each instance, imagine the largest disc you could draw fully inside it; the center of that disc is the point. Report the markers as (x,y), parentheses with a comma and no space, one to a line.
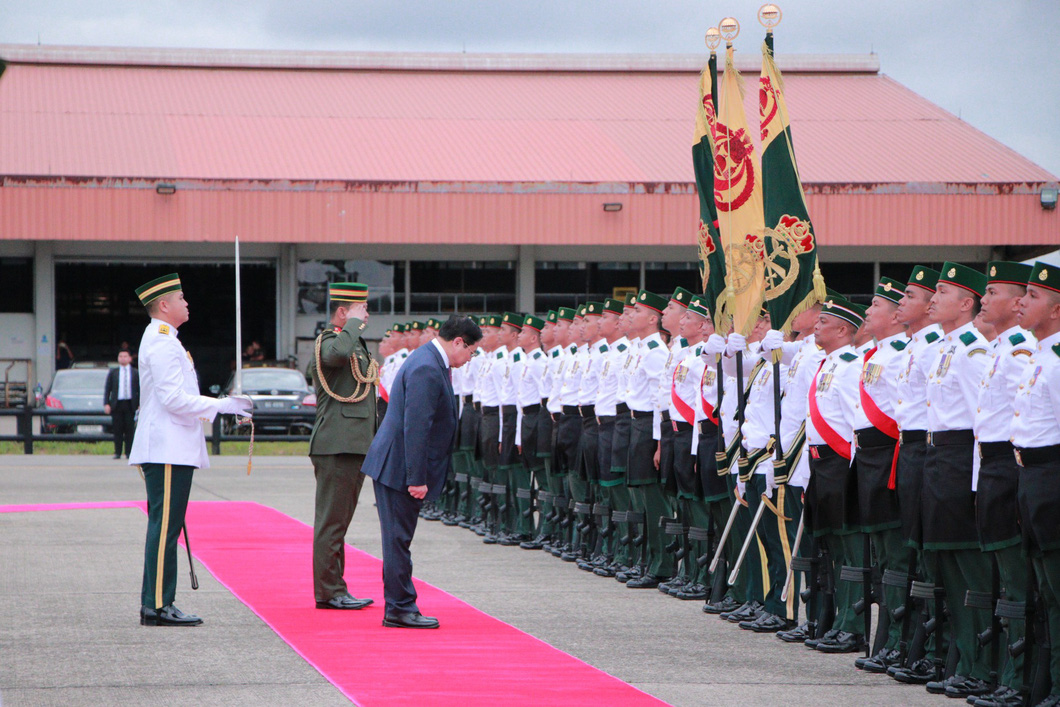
(228,449)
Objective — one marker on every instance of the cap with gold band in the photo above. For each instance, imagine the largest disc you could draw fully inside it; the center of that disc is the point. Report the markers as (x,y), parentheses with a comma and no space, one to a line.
(594,309)
(532,322)
(513,320)
(964,277)
(651,300)
(565,314)
(1045,275)
(1002,272)
(348,292)
(698,305)
(630,299)
(844,309)
(890,290)
(151,291)
(681,296)
(924,277)
(614,306)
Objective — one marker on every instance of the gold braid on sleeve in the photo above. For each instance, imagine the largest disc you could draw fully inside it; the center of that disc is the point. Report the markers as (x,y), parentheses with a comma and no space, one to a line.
(365,380)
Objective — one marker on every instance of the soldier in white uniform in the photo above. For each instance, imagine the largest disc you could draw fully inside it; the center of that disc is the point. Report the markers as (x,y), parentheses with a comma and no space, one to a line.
(1036,437)
(169,443)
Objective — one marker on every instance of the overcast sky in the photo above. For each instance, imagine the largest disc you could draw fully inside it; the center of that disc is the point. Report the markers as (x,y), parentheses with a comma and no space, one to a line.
(995,64)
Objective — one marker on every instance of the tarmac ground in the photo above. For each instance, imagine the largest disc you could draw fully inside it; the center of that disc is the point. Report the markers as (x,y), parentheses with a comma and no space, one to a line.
(69,602)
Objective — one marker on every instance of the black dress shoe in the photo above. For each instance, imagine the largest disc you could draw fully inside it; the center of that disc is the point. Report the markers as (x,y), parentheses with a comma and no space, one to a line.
(748,612)
(799,634)
(167,616)
(604,571)
(1050,701)
(879,662)
(646,582)
(724,606)
(812,642)
(412,619)
(767,623)
(535,544)
(695,591)
(1001,697)
(344,602)
(117,456)
(959,686)
(842,642)
(673,583)
(919,673)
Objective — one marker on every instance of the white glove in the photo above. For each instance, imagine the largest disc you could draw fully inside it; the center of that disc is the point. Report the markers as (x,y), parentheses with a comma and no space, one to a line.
(714,346)
(736,343)
(238,406)
(773,340)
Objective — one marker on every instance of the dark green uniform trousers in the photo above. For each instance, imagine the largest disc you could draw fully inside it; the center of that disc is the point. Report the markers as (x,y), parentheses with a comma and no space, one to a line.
(847,548)
(694,512)
(339,481)
(1012,569)
(168,487)
(618,495)
(1047,572)
(650,500)
(892,553)
(777,535)
(749,581)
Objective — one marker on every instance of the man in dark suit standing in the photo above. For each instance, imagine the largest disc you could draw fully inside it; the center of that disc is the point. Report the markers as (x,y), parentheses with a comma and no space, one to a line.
(121,398)
(410,457)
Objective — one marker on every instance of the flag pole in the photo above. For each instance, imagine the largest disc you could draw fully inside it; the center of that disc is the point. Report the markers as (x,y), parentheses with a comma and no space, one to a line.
(238,386)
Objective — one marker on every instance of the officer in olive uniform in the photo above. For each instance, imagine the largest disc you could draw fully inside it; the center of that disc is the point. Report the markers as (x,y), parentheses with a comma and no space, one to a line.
(169,443)
(344,377)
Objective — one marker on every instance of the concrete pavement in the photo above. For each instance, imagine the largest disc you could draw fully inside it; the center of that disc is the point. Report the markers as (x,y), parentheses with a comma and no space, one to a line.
(69,597)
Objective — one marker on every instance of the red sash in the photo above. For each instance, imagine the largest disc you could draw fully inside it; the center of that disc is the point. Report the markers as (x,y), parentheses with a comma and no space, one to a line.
(707,407)
(879,420)
(683,408)
(383,393)
(832,438)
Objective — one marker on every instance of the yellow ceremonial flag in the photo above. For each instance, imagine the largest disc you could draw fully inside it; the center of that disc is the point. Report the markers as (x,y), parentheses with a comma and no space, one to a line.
(738,196)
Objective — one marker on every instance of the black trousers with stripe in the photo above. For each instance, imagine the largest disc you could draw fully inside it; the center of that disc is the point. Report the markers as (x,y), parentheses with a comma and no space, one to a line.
(168,487)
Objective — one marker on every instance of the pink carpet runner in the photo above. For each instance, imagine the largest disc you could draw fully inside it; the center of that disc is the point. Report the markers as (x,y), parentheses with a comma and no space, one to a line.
(264,558)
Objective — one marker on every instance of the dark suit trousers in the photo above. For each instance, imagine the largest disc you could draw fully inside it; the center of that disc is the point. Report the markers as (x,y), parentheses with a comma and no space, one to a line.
(339,480)
(123,426)
(398,513)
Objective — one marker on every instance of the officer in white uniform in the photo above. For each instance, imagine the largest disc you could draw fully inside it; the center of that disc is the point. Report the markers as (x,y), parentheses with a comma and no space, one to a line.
(169,443)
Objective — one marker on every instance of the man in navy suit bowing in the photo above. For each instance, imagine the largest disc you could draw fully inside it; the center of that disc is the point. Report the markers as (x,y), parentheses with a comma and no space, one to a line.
(410,456)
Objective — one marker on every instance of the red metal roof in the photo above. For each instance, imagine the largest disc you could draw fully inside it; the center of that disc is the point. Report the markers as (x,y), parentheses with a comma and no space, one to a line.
(309,150)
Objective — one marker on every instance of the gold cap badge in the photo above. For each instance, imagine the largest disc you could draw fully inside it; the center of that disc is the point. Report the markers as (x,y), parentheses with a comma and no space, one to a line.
(993,271)
(920,275)
(886,287)
(1043,275)
(952,272)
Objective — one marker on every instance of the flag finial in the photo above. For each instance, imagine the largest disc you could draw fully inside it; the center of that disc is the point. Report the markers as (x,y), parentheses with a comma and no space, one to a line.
(730,29)
(713,38)
(769,16)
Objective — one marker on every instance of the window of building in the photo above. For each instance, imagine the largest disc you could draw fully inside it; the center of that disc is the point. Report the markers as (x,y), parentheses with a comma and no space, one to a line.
(16,285)
(664,278)
(461,286)
(563,284)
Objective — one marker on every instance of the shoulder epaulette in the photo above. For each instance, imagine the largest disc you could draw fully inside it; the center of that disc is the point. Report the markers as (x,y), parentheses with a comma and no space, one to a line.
(1056,349)
(653,345)
(1017,339)
(848,357)
(573,349)
(603,348)
(500,354)
(555,353)
(931,337)
(621,347)
(163,329)
(899,344)
(968,338)
(698,351)
(516,357)
(684,343)
(537,355)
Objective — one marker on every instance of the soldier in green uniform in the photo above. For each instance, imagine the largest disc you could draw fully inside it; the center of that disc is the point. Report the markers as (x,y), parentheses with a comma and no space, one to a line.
(344,376)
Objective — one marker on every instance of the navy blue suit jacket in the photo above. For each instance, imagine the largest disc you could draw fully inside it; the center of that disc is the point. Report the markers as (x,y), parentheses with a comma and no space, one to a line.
(415,441)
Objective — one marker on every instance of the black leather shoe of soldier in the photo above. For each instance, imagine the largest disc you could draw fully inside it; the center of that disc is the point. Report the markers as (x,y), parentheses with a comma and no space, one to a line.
(812,642)
(167,616)
(726,605)
(767,623)
(843,642)
(748,612)
(919,673)
(675,582)
(799,634)
(879,662)
(627,574)
(1001,697)
(1050,701)
(692,591)
(449,520)
(966,687)
(605,571)
(535,544)
(646,582)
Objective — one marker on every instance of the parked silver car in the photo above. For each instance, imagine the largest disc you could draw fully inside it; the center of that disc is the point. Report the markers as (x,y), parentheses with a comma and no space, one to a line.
(282,393)
(78,393)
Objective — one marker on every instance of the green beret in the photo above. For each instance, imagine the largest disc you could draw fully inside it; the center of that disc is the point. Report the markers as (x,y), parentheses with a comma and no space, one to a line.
(565,314)
(512,319)
(1045,275)
(151,291)
(1006,273)
(552,316)
(890,290)
(924,277)
(614,306)
(594,309)
(698,305)
(964,277)
(580,311)
(651,300)
(681,296)
(631,299)
(533,322)
(844,309)
(434,324)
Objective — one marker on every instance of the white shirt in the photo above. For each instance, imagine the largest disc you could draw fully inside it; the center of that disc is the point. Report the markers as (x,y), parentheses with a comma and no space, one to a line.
(171,410)
(836,393)
(589,385)
(125,382)
(607,376)
(794,409)
(642,377)
(445,356)
(879,375)
(1037,405)
(1000,384)
(954,376)
(911,410)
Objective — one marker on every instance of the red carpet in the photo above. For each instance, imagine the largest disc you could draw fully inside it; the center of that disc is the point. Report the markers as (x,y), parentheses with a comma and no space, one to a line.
(264,558)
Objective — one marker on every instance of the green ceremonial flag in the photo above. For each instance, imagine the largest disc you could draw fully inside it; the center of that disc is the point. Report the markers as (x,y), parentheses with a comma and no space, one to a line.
(711,254)
(793,280)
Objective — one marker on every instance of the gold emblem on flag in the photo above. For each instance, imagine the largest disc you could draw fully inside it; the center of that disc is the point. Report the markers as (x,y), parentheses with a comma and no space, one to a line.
(791,238)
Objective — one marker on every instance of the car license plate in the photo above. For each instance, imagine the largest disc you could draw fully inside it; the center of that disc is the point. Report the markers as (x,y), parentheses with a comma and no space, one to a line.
(90,429)
(274,403)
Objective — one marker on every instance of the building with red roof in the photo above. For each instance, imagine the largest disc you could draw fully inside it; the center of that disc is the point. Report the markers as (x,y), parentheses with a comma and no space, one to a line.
(447,182)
